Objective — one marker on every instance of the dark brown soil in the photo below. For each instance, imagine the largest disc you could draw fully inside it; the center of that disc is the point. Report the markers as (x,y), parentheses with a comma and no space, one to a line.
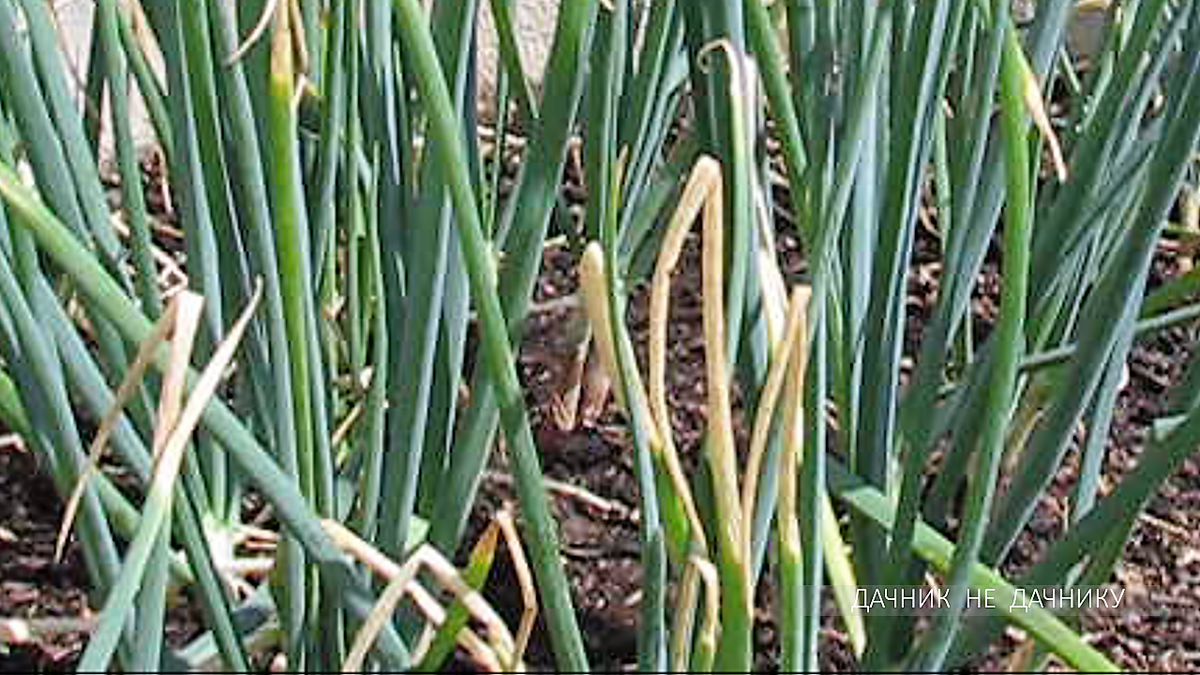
(32,584)
(1163,554)
(599,526)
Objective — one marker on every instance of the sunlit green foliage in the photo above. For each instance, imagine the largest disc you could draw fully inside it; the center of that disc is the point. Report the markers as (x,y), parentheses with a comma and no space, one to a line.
(331,158)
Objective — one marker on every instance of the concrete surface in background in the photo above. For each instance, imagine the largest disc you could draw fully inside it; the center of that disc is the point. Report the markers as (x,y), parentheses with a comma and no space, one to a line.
(533,22)
(74,19)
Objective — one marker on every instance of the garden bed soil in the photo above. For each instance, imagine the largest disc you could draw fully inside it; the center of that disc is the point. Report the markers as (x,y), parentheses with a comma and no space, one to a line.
(598,519)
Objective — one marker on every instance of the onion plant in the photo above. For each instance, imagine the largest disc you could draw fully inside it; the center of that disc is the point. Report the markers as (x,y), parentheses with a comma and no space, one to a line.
(330,186)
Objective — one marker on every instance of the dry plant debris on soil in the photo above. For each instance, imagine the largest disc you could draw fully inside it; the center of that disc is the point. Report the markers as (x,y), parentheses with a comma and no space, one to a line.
(593,487)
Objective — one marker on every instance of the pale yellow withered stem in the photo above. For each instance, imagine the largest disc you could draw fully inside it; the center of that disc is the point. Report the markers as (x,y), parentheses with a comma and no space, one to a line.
(187,324)
(787,524)
(697,571)
(402,581)
(793,360)
(706,644)
(593,282)
(793,424)
(705,179)
(685,615)
(571,367)
(782,355)
(180,318)
(529,613)
(260,28)
(484,548)
(1031,93)
(774,293)
(722,455)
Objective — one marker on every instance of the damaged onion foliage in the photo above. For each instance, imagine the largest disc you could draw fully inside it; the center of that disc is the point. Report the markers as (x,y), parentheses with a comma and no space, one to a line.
(300,366)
